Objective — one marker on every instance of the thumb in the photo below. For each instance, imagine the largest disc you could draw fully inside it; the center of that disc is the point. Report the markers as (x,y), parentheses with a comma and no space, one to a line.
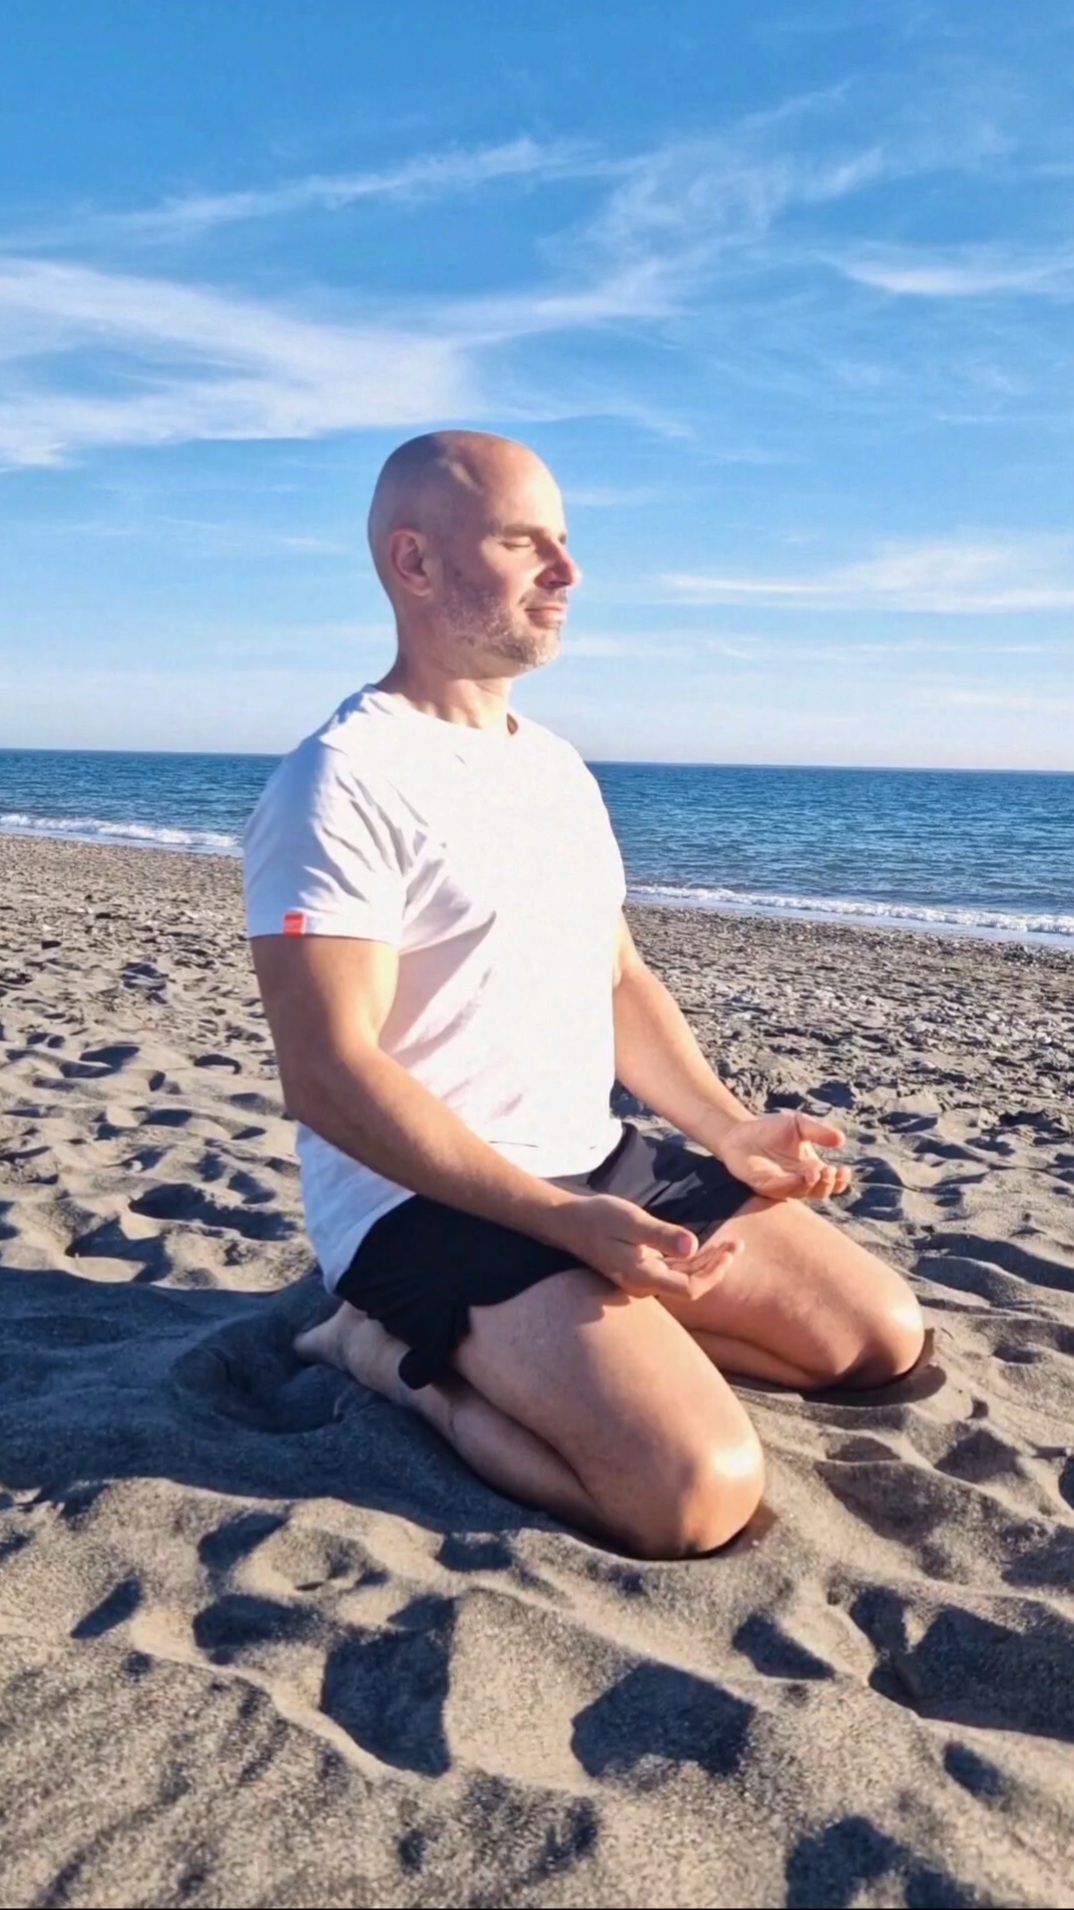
(676,1242)
(822,1133)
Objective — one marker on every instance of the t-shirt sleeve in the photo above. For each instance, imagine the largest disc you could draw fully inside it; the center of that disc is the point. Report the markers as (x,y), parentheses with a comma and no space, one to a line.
(323,854)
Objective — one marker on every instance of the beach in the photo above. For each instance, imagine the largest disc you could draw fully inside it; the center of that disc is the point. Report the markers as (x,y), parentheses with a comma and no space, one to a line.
(264,1640)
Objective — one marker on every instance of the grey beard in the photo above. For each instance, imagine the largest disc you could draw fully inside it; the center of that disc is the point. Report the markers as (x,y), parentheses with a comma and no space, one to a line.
(477,621)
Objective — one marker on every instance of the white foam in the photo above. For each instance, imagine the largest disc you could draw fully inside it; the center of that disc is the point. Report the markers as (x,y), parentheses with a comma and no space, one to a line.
(941,919)
(142,835)
(993,924)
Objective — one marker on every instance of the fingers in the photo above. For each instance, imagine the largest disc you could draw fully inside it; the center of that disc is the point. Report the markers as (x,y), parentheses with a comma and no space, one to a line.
(829,1182)
(650,1245)
(811,1175)
(686,1281)
(814,1180)
(719,1258)
(806,1180)
(708,1265)
(674,1243)
(821,1133)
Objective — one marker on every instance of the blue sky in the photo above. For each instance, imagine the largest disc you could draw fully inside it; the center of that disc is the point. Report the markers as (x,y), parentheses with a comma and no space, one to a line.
(783,293)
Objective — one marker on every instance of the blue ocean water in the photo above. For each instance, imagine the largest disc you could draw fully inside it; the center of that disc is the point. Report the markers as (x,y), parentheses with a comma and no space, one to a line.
(968,852)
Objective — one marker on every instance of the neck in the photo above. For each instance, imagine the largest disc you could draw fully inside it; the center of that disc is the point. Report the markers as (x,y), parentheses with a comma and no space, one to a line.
(478,703)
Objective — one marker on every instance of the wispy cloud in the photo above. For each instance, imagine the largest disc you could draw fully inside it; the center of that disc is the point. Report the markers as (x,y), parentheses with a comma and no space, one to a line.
(202,365)
(424,177)
(737,180)
(181,362)
(678,210)
(206,364)
(964,274)
(105,358)
(631,291)
(954,578)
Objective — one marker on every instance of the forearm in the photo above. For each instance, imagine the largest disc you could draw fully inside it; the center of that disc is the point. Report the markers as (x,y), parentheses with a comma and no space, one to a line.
(657,1057)
(369,1107)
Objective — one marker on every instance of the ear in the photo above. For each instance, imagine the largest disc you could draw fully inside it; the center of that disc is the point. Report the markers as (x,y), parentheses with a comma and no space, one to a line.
(407,562)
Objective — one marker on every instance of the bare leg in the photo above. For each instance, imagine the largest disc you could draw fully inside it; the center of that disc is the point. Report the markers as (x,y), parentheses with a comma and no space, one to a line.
(627,1398)
(502,1452)
(804,1305)
(597,1407)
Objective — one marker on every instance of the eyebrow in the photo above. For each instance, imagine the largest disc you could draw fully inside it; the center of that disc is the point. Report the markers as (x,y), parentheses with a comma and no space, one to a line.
(530,530)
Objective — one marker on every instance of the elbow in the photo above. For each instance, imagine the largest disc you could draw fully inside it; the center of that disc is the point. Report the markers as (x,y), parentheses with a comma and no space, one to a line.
(302,1087)
(320,1080)
(296,1099)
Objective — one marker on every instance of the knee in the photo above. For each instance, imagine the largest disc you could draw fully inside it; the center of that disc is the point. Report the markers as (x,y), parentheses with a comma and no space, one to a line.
(892,1343)
(711,1496)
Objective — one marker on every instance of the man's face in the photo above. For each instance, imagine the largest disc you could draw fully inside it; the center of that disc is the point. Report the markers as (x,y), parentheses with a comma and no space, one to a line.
(501,570)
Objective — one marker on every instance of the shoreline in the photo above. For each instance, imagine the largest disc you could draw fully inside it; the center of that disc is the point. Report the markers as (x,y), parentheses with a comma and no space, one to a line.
(762,992)
(886,919)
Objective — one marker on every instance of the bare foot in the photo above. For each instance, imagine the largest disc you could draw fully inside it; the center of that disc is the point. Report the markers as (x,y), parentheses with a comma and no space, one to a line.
(359,1346)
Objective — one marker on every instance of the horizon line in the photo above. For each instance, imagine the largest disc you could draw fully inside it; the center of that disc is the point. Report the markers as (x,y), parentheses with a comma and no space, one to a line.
(593,762)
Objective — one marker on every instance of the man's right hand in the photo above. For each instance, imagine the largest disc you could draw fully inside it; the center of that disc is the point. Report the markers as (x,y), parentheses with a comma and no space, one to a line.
(638,1253)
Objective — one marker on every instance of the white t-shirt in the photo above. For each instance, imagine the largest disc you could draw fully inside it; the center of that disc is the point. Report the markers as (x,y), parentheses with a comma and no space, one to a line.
(488,859)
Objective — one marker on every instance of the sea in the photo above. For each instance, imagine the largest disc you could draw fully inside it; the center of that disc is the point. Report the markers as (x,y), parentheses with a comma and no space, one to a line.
(958,852)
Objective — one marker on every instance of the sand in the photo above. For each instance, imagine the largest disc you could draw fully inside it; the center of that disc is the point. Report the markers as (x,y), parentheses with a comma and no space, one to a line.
(263,1640)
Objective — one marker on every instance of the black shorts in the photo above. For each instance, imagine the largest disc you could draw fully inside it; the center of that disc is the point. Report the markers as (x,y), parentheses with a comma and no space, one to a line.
(422,1267)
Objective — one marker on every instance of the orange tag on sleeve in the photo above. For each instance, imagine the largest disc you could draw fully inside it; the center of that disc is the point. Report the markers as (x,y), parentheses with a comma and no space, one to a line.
(294,922)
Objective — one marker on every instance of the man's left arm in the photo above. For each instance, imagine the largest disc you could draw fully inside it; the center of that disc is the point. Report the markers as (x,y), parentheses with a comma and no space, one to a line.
(657,1057)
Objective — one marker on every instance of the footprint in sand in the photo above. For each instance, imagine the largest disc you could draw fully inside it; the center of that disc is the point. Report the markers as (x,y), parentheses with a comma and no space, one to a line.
(115,1609)
(839,1864)
(774,1654)
(658,1718)
(184,1201)
(972,1670)
(114,1057)
(387,1688)
(237,1624)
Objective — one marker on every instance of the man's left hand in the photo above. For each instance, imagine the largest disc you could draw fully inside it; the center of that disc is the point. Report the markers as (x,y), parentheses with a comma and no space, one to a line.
(776,1155)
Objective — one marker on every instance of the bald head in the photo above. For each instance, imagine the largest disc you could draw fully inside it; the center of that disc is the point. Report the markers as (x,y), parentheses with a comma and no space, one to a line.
(467,535)
(432,483)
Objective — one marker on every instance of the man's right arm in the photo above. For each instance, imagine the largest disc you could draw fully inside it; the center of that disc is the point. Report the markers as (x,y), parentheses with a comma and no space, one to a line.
(327,999)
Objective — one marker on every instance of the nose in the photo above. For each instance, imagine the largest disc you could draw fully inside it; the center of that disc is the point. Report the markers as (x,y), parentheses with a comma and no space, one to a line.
(561,572)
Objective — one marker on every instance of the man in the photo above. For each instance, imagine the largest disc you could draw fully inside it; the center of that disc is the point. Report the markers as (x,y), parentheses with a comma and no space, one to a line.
(435,905)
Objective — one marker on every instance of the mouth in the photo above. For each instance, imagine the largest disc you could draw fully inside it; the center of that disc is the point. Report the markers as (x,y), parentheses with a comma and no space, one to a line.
(548,613)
